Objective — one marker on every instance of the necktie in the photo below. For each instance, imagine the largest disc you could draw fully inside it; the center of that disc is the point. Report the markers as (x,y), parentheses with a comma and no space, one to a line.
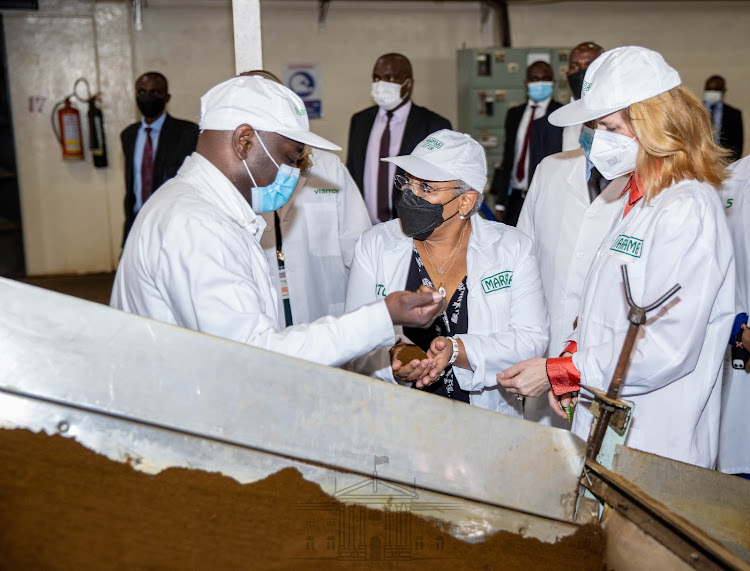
(147,168)
(384,187)
(521,168)
(595,184)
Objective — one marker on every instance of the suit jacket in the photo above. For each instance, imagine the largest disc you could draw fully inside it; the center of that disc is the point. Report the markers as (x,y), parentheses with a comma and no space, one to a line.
(420,123)
(545,140)
(177,140)
(731,135)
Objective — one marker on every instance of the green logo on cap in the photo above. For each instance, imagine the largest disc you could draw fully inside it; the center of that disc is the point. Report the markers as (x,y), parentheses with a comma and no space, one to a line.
(586,87)
(301,111)
(431,143)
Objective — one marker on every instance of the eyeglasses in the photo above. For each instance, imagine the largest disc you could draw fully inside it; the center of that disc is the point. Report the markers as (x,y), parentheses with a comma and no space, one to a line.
(403,182)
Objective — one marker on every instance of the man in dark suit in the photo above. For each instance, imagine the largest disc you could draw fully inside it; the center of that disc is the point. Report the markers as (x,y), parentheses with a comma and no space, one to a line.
(520,156)
(155,147)
(727,120)
(392,127)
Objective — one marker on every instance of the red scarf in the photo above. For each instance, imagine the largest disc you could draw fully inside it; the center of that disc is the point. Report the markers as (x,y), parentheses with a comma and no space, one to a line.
(635,194)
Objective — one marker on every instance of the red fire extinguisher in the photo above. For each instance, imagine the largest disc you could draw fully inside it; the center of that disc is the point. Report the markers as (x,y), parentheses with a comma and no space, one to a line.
(66,122)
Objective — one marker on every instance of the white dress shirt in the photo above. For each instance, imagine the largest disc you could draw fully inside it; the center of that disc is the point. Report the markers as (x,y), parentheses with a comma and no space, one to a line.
(540,111)
(372,156)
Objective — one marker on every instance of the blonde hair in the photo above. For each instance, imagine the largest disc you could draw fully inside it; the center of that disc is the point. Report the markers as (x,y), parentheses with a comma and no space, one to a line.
(676,142)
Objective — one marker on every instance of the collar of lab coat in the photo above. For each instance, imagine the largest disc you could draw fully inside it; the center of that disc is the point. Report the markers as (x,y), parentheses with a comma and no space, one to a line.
(217,189)
(484,234)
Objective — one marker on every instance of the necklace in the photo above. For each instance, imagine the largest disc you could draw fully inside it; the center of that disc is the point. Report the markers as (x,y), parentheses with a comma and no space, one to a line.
(450,259)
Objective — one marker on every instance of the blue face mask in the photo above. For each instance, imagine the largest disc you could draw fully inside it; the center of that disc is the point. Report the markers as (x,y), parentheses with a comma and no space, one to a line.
(274,196)
(540,90)
(586,139)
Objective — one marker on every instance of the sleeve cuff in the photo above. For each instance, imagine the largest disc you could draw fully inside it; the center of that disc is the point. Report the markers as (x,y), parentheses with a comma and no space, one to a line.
(563,375)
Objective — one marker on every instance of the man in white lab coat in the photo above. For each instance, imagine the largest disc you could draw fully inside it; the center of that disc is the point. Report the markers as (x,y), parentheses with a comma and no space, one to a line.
(317,230)
(194,259)
(734,436)
(568,210)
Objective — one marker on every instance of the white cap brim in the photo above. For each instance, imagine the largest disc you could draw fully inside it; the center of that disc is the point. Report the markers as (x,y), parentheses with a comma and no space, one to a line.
(308,138)
(575,113)
(421,168)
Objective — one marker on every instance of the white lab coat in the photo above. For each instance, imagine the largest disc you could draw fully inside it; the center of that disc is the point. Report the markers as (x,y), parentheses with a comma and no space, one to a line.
(674,378)
(505,325)
(319,226)
(734,438)
(567,229)
(193,259)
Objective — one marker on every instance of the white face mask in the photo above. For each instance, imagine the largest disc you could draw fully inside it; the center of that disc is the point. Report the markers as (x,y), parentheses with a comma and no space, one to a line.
(712,97)
(387,95)
(612,154)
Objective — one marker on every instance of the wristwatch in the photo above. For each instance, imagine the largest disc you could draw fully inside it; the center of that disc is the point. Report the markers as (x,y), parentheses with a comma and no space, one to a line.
(453,358)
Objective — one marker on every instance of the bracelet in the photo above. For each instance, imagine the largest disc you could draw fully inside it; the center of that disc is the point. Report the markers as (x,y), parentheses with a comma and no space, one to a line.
(453,358)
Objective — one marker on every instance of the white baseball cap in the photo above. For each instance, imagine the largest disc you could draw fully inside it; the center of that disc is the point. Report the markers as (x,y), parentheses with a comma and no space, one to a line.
(264,105)
(615,80)
(446,155)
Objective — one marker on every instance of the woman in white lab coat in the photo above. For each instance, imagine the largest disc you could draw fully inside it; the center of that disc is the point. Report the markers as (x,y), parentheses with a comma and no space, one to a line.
(670,229)
(496,314)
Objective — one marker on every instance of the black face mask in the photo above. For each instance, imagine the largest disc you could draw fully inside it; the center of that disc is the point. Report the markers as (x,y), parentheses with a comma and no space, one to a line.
(575,81)
(419,217)
(150,105)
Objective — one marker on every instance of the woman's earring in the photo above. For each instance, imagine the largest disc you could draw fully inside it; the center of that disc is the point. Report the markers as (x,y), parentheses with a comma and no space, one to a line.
(461,216)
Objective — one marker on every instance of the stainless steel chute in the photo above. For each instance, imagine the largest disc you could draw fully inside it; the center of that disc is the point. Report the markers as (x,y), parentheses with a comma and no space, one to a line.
(156,396)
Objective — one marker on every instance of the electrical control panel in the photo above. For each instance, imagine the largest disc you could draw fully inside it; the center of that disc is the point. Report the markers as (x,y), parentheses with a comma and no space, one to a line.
(491,81)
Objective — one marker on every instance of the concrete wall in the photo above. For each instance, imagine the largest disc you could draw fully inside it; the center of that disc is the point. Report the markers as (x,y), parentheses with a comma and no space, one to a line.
(356,33)
(72,213)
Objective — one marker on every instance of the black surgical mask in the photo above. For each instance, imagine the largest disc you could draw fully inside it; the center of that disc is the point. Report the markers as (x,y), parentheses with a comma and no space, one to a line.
(575,81)
(150,105)
(419,217)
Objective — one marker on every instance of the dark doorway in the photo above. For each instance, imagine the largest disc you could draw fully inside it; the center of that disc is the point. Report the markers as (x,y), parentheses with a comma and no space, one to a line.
(12,263)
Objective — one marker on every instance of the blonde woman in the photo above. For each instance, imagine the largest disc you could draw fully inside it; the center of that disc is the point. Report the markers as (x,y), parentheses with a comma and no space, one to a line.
(671,228)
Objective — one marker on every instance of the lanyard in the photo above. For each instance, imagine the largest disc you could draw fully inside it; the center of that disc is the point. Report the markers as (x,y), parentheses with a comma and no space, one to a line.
(282,271)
